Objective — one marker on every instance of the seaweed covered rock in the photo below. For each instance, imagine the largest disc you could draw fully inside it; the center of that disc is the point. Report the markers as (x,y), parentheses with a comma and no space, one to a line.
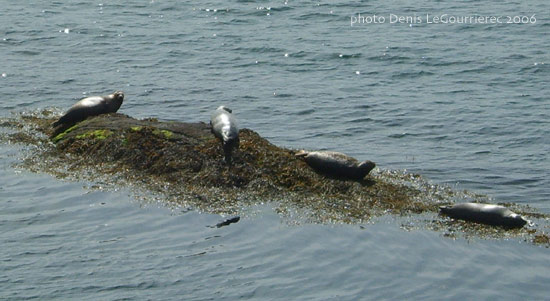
(184,162)
(188,158)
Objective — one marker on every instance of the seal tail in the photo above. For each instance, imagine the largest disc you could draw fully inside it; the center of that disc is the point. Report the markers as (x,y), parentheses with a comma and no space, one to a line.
(301,153)
(228,149)
(227,154)
(444,209)
(58,129)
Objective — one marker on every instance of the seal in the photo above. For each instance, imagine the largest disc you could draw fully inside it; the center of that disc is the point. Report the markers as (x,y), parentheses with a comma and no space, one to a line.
(336,164)
(224,127)
(488,214)
(90,106)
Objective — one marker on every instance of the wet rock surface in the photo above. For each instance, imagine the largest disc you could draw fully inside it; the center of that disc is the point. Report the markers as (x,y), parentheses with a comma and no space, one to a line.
(184,162)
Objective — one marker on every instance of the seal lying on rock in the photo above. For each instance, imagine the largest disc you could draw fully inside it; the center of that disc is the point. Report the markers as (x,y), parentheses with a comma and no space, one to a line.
(485,214)
(90,106)
(336,164)
(224,127)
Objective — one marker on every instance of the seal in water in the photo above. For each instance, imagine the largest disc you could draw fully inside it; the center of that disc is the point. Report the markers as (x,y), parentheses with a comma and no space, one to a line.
(90,106)
(485,214)
(336,164)
(225,128)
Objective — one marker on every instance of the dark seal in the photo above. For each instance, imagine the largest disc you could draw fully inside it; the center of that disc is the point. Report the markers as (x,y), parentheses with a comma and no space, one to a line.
(87,107)
(224,127)
(336,164)
(488,214)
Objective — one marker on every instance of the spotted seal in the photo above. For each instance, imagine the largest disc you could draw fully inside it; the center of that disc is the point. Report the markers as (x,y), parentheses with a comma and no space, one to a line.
(90,106)
(224,127)
(336,164)
(489,214)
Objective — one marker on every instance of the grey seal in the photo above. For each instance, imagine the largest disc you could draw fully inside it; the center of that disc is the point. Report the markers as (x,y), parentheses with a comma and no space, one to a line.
(224,127)
(336,164)
(489,214)
(90,106)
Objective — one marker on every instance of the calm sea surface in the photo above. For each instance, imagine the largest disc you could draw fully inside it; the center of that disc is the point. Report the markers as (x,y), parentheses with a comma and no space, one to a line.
(466,105)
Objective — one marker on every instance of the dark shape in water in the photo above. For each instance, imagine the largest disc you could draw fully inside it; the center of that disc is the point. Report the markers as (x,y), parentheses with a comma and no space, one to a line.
(336,164)
(488,214)
(228,222)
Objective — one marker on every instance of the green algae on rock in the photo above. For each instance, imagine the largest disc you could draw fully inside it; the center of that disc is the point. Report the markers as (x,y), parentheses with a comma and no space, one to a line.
(97,134)
(62,134)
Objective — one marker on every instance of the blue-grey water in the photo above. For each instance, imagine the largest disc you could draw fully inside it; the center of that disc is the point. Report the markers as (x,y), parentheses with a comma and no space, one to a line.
(466,105)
